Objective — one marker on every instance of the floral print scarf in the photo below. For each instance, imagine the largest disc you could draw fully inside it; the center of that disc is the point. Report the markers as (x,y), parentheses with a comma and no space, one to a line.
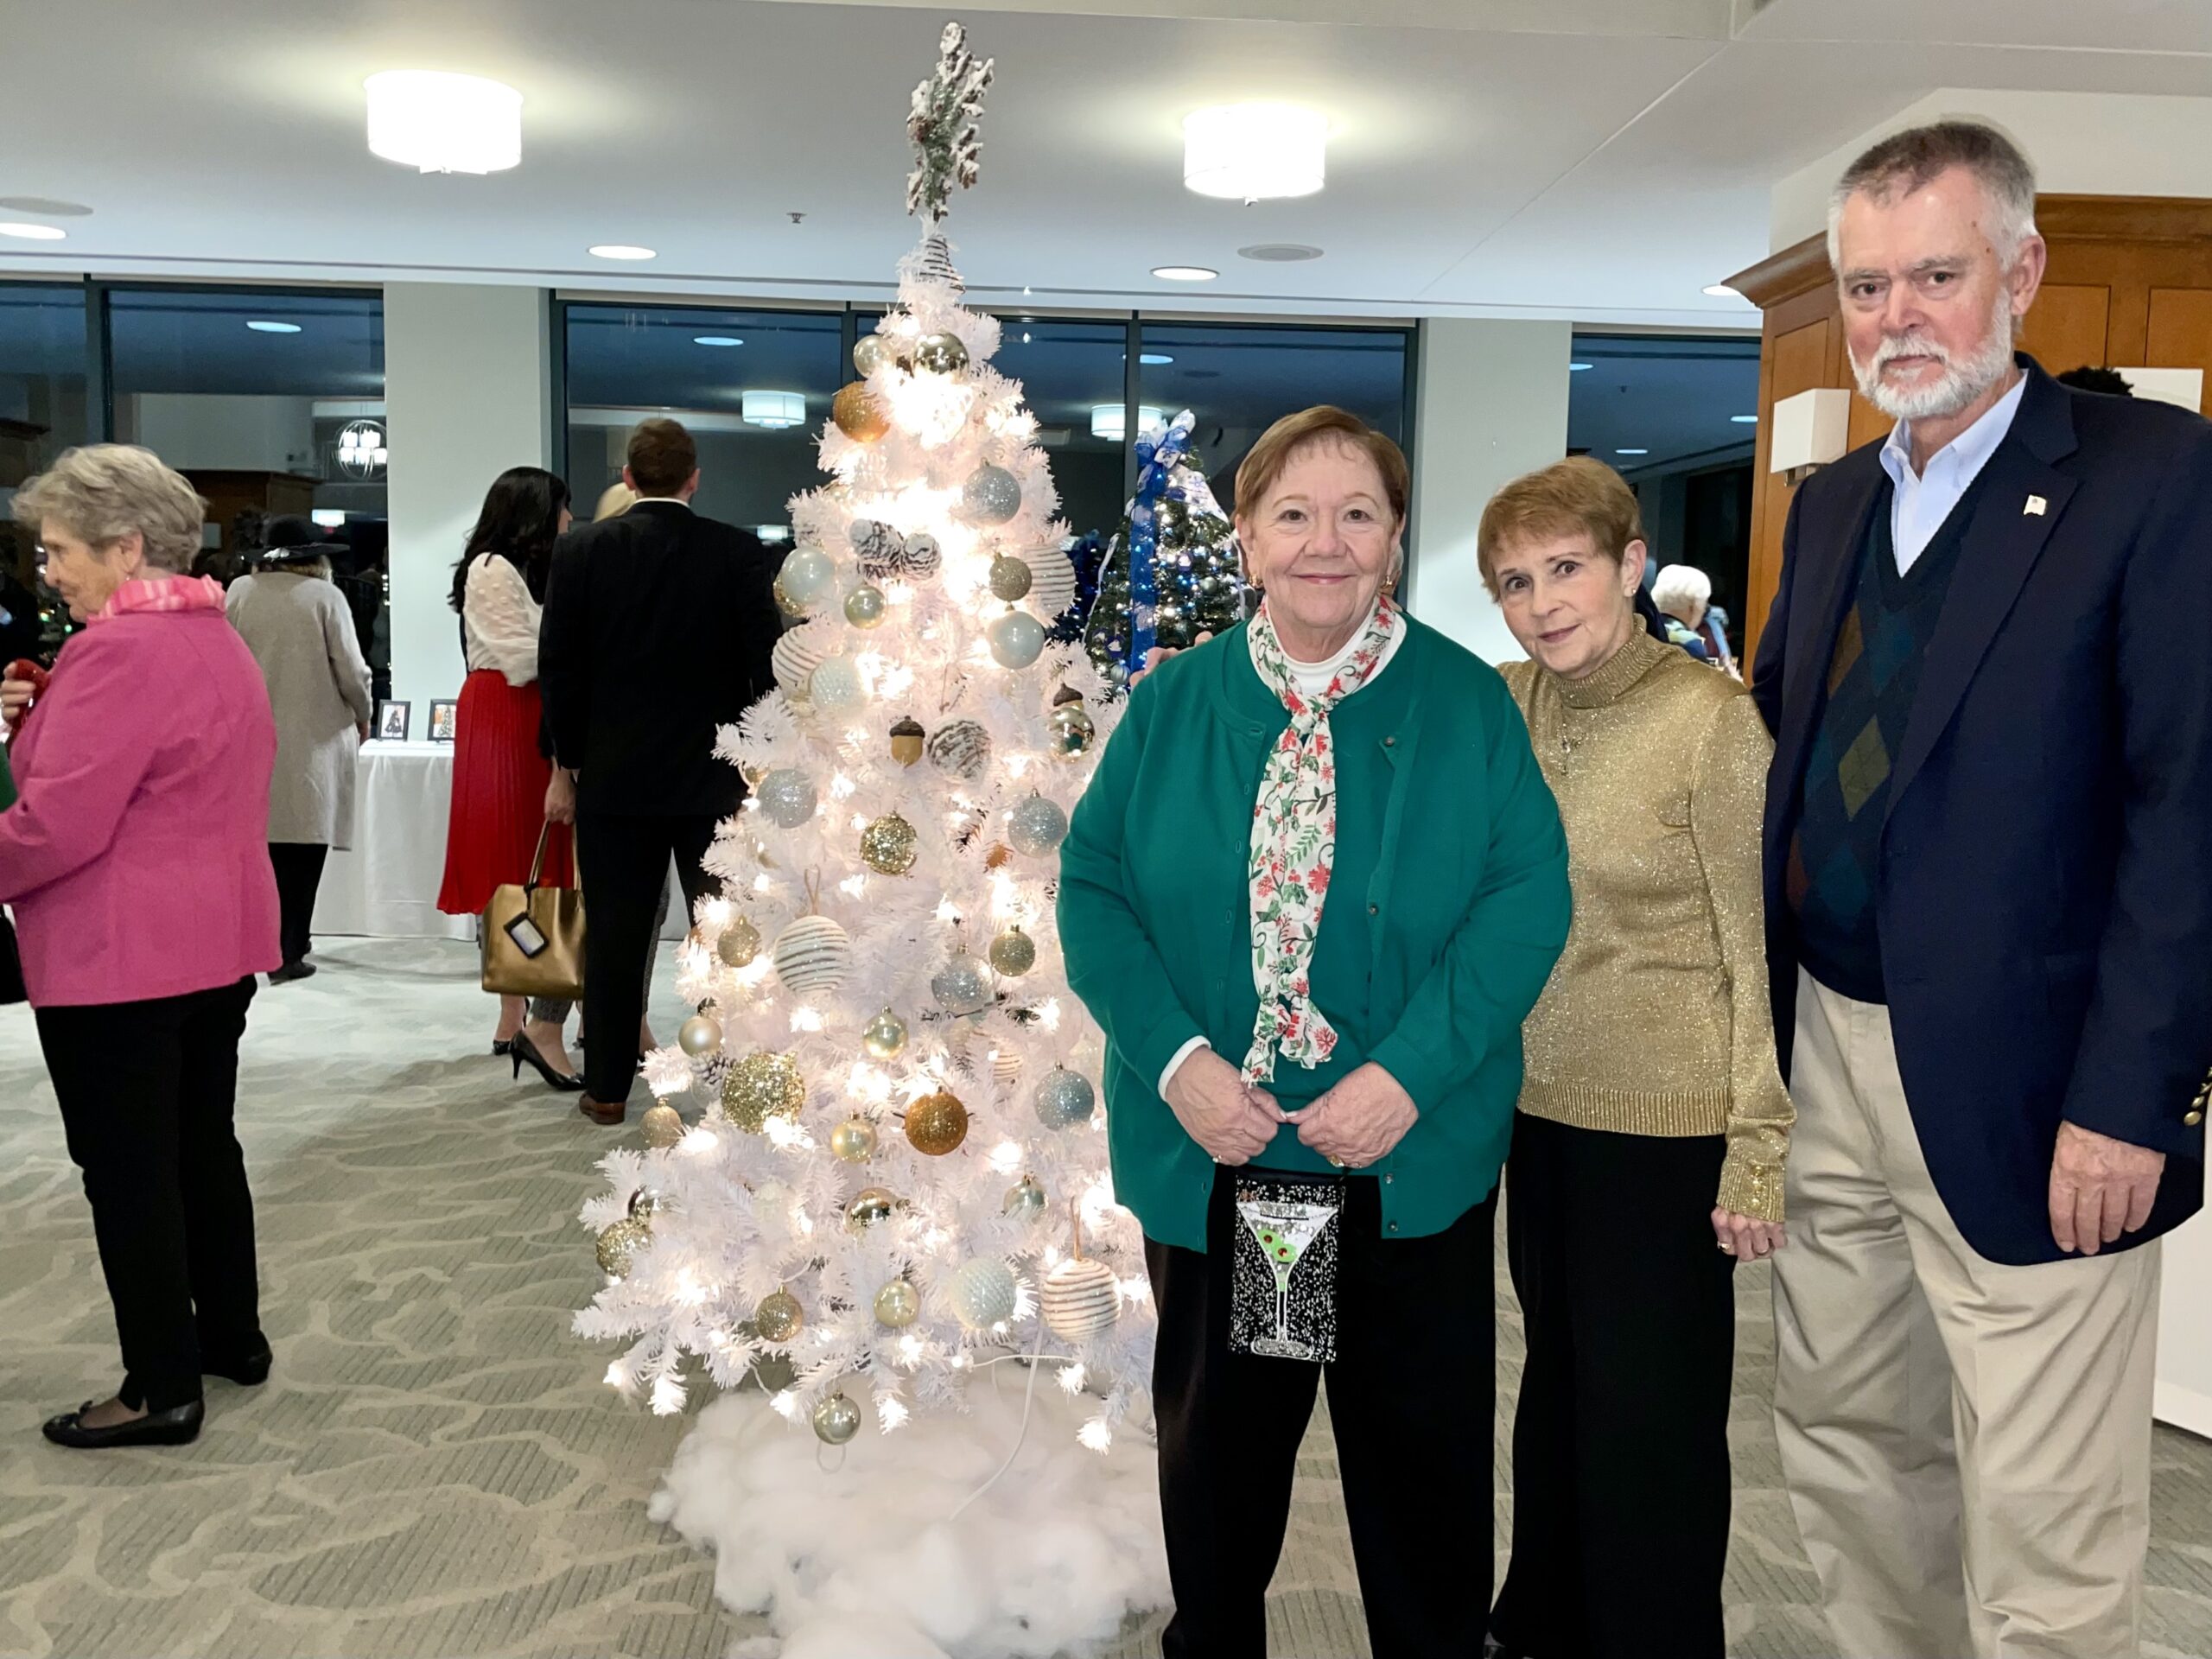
(1294,845)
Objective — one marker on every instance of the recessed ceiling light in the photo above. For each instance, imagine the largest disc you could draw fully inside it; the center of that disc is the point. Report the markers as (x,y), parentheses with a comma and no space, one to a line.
(1631,452)
(263,326)
(620,250)
(44,208)
(1183,273)
(1577,368)
(716,340)
(440,123)
(1254,152)
(1279,253)
(1744,420)
(1024,337)
(34,232)
(1721,291)
(1154,359)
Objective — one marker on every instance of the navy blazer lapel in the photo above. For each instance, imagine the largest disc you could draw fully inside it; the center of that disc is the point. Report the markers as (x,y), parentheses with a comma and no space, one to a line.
(2001,546)
(1833,568)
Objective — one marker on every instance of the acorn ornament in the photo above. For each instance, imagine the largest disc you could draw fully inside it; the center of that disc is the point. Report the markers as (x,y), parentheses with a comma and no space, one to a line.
(740,943)
(936,1124)
(890,845)
(907,739)
(1014,953)
(859,415)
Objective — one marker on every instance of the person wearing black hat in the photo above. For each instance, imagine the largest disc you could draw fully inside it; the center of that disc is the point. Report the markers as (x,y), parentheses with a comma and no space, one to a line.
(300,631)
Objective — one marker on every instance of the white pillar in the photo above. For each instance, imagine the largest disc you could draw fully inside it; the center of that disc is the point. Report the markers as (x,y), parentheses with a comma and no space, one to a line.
(467,395)
(1493,406)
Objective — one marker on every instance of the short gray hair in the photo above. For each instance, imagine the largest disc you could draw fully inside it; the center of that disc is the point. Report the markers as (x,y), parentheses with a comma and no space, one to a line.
(1906,161)
(102,492)
(1681,588)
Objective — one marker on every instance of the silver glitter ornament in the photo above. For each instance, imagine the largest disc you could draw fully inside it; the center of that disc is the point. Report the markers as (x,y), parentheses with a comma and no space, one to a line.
(1016,639)
(854,1140)
(1010,578)
(1079,1298)
(991,496)
(740,943)
(960,748)
(982,1292)
(885,1036)
(940,353)
(1065,1098)
(779,1317)
(962,986)
(1014,953)
(836,1419)
(1037,828)
(898,1303)
(700,1035)
(786,797)
(813,956)
(870,352)
(1025,1197)
(866,607)
(922,557)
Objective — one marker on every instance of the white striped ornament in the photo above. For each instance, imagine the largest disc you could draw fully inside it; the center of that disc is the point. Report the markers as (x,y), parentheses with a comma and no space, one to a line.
(813,955)
(797,654)
(1080,1299)
(1052,585)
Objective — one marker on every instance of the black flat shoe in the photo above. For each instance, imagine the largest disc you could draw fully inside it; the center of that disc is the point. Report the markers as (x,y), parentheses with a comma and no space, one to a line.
(290,971)
(179,1425)
(248,1370)
(523,1052)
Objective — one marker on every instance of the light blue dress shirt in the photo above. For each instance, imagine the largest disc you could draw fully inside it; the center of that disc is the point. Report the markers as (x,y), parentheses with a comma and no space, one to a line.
(1920,503)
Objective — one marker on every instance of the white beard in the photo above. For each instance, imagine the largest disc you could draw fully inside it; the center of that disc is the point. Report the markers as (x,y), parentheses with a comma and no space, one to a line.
(1961,382)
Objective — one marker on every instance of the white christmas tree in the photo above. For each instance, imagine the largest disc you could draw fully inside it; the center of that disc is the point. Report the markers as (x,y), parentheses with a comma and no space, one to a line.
(897,1167)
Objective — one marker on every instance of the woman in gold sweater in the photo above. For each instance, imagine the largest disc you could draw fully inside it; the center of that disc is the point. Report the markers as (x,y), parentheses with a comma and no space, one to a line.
(1653,1118)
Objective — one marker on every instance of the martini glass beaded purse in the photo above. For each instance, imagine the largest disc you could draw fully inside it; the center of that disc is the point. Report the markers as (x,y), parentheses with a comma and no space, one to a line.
(1282,1302)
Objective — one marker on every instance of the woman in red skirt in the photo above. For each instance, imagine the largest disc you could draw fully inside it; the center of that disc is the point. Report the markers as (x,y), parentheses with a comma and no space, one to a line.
(504,788)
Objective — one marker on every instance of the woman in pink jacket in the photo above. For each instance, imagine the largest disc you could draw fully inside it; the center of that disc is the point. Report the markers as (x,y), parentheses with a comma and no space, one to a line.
(136,863)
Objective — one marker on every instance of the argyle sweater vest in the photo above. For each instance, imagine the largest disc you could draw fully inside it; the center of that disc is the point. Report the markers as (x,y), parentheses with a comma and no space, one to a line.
(1873,679)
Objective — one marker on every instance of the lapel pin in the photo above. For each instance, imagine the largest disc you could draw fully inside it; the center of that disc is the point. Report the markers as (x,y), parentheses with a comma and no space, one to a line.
(2034,509)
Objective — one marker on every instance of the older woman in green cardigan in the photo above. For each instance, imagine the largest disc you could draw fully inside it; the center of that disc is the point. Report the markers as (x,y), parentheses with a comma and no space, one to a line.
(1312,892)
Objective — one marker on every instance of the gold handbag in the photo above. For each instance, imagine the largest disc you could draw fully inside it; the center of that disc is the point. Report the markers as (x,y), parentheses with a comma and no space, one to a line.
(534,936)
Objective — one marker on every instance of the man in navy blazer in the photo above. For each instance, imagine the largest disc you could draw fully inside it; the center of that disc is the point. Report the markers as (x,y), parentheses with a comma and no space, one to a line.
(1989,916)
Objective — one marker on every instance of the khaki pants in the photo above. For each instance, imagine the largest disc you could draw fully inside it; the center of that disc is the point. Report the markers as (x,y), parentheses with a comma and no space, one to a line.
(1968,1446)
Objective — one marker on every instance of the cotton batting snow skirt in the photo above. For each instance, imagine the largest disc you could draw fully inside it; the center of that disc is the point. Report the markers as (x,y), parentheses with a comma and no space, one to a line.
(499,797)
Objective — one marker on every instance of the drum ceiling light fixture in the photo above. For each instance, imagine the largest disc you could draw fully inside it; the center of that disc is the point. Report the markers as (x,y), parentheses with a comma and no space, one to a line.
(774,409)
(1256,152)
(1110,421)
(440,123)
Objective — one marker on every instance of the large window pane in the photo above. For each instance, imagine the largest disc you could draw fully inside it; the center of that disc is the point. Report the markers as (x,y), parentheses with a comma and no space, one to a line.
(1239,380)
(1072,375)
(698,365)
(42,414)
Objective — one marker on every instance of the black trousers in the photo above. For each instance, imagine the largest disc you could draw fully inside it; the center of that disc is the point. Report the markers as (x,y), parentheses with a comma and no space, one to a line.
(1411,1394)
(298,865)
(1620,1440)
(624,864)
(147,1090)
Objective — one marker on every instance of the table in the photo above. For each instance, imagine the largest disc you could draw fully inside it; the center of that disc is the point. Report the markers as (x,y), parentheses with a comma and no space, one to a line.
(387,888)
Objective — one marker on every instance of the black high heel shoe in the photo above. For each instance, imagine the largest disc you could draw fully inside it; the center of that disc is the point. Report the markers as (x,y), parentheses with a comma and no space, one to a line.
(523,1052)
(503,1046)
(179,1425)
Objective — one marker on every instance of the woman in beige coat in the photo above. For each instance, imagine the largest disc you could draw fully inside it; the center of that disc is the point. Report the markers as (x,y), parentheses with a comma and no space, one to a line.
(300,631)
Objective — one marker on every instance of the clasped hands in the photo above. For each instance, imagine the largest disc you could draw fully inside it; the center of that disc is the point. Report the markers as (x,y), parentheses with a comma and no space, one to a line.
(1356,1123)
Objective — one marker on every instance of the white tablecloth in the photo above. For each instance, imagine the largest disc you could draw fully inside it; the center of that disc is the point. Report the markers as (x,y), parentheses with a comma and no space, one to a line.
(387,886)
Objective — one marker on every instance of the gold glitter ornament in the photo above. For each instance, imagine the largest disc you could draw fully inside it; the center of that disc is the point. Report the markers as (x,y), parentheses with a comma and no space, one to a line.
(937,1123)
(1014,953)
(898,1303)
(836,1419)
(620,1243)
(852,1141)
(700,1035)
(740,943)
(1010,578)
(869,1205)
(779,1317)
(885,1036)
(858,414)
(889,846)
(907,739)
(790,607)
(760,1086)
(663,1124)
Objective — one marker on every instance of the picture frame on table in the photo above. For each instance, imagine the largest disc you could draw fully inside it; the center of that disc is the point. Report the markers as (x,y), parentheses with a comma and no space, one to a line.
(444,720)
(393,719)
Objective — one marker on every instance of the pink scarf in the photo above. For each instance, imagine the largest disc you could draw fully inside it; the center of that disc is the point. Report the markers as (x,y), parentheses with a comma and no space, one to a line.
(156,593)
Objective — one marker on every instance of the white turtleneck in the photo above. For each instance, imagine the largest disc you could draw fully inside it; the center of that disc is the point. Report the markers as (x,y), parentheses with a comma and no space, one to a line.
(1312,679)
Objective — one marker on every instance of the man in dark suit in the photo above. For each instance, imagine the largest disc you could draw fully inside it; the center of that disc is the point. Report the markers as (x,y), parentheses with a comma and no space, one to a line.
(657,631)
(1989,825)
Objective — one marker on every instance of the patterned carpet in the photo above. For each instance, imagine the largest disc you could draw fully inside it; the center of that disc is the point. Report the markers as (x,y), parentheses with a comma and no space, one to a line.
(435,1469)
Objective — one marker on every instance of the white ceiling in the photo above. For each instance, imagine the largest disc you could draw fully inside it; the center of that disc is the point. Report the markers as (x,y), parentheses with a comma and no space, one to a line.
(1600,160)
